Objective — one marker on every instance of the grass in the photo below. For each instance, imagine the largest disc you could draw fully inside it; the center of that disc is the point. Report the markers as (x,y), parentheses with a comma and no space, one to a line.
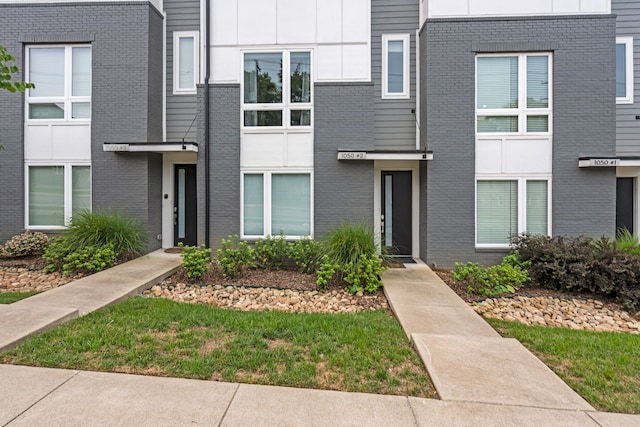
(362,352)
(603,367)
(11,297)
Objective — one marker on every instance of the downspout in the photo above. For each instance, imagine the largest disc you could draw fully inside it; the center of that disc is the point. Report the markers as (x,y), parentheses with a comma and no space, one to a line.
(418,89)
(207,146)
(164,76)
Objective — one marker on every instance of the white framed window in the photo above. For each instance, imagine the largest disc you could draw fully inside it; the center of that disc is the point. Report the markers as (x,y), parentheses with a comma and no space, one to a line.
(624,70)
(275,202)
(277,89)
(506,206)
(395,66)
(54,192)
(62,78)
(185,62)
(513,93)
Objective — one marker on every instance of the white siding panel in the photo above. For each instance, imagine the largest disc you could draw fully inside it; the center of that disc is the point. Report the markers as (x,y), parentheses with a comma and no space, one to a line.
(329,21)
(509,7)
(296,21)
(224,22)
(37,142)
(262,150)
(300,150)
(566,6)
(69,142)
(594,6)
(257,22)
(225,64)
(527,156)
(355,18)
(489,156)
(329,62)
(355,62)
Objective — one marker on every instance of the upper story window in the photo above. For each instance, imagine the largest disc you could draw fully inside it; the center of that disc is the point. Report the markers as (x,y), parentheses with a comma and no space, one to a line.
(624,70)
(278,89)
(185,62)
(62,79)
(395,66)
(513,93)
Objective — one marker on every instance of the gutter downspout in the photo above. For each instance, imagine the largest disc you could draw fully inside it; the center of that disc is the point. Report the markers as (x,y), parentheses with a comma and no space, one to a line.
(207,146)
(164,76)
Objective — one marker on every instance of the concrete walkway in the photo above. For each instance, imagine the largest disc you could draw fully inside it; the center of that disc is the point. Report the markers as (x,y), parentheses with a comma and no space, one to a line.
(482,378)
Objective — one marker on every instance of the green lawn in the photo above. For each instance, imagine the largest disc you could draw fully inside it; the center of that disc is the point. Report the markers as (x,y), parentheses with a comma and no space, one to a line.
(11,297)
(362,352)
(603,367)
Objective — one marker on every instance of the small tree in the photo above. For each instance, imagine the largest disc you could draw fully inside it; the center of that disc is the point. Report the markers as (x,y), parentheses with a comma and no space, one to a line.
(6,70)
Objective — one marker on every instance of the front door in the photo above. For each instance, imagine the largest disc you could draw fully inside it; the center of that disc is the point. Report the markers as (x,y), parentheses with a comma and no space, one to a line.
(624,203)
(184,206)
(396,212)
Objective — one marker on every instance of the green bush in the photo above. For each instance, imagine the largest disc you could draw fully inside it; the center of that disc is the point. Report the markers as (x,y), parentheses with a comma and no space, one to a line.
(90,259)
(95,232)
(196,260)
(497,279)
(272,252)
(582,264)
(24,244)
(352,252)
(306,254)
(235,255)
(98,229)
(325,272)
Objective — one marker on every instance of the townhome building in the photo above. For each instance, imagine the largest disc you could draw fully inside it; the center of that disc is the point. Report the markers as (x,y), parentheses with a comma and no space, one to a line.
(448,126)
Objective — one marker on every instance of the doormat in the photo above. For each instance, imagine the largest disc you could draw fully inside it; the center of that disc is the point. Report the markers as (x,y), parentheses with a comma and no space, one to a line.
(403,259)
(173,250)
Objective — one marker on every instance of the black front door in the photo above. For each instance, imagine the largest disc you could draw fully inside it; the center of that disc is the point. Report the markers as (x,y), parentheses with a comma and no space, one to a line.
(624,203)
(396,212)
(184,205)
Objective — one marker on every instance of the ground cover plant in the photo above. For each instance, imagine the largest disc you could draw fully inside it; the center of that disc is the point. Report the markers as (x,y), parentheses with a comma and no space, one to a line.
(603,367)
(505,277)
(11,297)
(362,352)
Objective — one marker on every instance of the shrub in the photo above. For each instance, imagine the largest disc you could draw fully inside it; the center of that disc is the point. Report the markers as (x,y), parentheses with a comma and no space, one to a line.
(235,255)
(90,259)
(627,242)
(582,264)
(306,254)
(24,244)
(497,279)
(99,229)
(325,272)
(272,252)
(196,260)
(352,252)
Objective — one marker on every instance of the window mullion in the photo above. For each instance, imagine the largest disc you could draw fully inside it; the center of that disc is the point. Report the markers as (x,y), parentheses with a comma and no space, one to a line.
(67,193)
(267,204)
(522,205)
(68,73)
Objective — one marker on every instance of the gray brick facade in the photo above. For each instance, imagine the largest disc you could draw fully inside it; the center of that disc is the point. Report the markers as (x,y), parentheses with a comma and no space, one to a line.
(126,41)
(583,112)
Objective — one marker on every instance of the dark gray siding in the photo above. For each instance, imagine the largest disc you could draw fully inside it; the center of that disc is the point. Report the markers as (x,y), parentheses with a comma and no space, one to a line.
(182,15)
(395,123)
(125,102)
(343,190)
(584,123)
(627,127)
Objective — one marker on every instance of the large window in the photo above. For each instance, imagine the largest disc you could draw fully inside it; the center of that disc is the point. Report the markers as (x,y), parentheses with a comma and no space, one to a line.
(185,62)
(513,93)
(62,78)
(395,66)
(55,192)
(276,202)
(277,89)
(624,70)
(508,207)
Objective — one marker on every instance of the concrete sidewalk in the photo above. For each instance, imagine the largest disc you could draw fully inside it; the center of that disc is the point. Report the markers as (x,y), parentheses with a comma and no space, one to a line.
(48,309)
(481,378)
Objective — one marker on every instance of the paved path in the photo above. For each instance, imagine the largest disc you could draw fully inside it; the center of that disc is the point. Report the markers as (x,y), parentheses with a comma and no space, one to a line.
(482,378)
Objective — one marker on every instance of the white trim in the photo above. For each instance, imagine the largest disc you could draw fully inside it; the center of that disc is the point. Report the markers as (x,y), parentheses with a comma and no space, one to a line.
(628,42)
(418,105)
(267,175)
(522,112)
(149,148)
(177,35)
(406,71)
(521,204)
(396,165)
(67,191)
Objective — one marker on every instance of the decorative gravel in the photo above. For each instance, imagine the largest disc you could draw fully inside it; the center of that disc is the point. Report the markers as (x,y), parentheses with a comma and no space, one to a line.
(14,279)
